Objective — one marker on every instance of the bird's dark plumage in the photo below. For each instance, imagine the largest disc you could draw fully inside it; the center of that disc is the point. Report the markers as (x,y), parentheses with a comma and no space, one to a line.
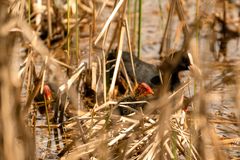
(150,74)
(165,75)
(145,72)
(141,91)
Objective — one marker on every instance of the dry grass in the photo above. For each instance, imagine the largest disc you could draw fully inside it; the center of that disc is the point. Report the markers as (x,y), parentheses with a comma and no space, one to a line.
(67,43)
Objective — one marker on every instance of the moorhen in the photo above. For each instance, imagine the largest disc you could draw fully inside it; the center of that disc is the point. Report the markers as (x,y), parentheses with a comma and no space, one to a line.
(141,91)
(164,74)
(155,77)
(40,99)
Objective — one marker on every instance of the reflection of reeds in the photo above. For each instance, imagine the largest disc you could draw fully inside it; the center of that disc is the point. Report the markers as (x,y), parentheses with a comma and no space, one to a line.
(87,125)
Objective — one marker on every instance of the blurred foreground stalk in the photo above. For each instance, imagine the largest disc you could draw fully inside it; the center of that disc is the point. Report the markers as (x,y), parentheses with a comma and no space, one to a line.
(14,138)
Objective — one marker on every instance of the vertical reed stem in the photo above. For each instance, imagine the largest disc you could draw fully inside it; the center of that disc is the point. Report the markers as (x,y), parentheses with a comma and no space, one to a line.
(68,29)
(139,27)
(29,11)
(77,32)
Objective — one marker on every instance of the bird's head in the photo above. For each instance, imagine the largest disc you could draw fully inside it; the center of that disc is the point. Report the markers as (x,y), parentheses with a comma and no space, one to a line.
(182,61)
(47,92)
(185,62)
(143,89)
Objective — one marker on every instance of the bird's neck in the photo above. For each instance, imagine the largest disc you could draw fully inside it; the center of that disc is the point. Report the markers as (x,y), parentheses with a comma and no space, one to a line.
(175,81)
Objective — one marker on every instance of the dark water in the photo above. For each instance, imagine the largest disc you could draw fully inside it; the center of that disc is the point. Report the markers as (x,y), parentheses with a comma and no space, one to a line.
(48,144)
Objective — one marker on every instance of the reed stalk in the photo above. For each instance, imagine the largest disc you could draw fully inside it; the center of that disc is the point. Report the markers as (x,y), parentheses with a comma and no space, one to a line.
(139,28)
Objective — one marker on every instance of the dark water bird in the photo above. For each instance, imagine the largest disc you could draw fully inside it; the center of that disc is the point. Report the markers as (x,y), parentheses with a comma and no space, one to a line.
(141,91)
(164,74)
(55,102)
(63,104)
(88,96)
(49,95)
(172,65)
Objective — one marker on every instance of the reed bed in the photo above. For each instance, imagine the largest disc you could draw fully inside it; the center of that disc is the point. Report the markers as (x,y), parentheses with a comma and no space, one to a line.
(67,43)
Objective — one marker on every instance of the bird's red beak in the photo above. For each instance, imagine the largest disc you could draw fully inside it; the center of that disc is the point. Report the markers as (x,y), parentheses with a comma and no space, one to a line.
(147,88)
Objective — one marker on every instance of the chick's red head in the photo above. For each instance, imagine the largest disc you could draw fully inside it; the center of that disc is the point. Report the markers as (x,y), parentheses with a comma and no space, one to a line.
(143,89)
(47,92)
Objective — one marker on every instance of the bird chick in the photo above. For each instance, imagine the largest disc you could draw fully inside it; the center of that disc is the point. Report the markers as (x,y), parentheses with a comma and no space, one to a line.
(141,93)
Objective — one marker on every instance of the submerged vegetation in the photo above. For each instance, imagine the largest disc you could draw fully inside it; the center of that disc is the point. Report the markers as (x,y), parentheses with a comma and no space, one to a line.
(119,79)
